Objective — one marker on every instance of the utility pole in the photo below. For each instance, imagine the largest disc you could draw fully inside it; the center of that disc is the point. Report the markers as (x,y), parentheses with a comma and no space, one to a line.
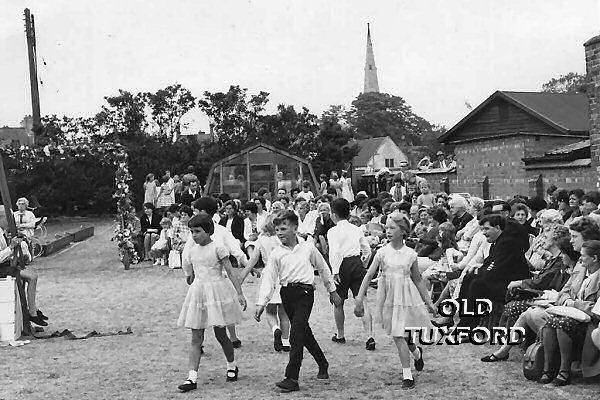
(33,79)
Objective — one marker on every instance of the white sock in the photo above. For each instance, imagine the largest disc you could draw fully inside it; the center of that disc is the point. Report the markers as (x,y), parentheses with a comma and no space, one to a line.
(285,342)
(193,376)
(231,365)
(275,327)
(407,373)
(416,354)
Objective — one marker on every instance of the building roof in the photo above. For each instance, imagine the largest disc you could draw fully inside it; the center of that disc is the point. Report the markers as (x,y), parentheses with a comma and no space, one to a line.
(569,156)
(570,148)
(568,113)
(367,148)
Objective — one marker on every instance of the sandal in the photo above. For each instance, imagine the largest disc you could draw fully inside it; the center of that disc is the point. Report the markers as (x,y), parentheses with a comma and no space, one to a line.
(493,358)
(187,386)
(545,378)
(232,375)
(563,378)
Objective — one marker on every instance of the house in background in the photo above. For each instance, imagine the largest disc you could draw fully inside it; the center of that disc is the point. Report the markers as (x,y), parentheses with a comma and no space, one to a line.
(375,154)
(505,144)
(22,136)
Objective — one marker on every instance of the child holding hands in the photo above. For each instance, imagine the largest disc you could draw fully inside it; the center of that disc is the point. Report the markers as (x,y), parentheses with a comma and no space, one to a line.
(402,298)
(213,300)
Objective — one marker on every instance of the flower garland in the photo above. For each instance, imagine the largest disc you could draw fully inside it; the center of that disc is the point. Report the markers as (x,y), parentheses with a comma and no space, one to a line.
(126,213)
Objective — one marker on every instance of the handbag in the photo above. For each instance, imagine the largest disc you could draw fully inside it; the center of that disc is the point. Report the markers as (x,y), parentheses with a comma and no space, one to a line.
(533,360)
(174,259)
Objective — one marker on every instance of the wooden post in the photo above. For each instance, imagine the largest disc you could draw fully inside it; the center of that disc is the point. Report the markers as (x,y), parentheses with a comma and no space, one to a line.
(33,79)
(17,261)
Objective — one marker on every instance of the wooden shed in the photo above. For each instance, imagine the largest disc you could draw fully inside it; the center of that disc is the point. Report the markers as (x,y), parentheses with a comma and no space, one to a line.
(258,166)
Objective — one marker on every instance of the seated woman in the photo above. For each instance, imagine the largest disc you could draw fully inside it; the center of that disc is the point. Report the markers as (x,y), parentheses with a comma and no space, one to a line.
(150,229)
(535,317)
(537,255)
(449,255)
(428,243)
(422,226)
(565,333)
(465,235)
(520,213)
(552,277)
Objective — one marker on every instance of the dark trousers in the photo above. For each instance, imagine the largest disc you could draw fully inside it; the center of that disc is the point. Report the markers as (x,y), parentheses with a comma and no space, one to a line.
(297,303)
(478,287)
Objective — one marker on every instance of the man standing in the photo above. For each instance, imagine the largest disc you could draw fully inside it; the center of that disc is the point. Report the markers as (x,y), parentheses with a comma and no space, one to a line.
(348,250)
(191,194)
(292,264)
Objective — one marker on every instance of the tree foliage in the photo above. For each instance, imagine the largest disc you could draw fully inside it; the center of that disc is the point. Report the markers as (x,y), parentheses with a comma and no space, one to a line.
(168,106)
(569,83)
(123,116)
(381,114)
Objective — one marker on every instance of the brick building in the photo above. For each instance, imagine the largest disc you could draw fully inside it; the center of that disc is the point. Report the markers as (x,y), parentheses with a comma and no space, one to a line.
(494,140)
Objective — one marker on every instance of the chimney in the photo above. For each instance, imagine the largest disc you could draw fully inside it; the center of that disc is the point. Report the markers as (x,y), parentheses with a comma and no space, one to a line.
(592,67)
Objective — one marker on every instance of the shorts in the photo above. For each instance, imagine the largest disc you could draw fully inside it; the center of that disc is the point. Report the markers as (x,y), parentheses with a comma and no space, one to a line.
(351,276)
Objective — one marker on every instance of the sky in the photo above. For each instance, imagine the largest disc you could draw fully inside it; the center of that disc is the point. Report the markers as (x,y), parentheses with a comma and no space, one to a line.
(436,54)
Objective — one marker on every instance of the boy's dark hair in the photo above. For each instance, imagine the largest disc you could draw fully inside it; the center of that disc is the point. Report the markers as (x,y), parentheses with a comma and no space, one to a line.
(376,204)
(186,210)
(232,204)
(437,214)
(206,204)
(494,220)
(294,190)
(562,196)
(404,206)
(173,208)
(261,200)
(251,206)
(288,216)
(306,184)
(202,221)
(149,206)
(341,208)
(537,204)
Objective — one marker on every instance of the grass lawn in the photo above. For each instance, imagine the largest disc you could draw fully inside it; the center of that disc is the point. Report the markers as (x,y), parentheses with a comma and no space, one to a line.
(85,288)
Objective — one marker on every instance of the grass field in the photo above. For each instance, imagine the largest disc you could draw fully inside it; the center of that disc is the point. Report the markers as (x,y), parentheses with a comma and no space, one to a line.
(85,288)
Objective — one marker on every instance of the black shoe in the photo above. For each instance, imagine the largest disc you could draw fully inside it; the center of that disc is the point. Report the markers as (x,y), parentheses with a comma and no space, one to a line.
(288,385)
(285,348)
(38,321)
(420,364)
(41,315)
(323,374)
(337,339)
(493,358)
(201,349)
(408,383)
(187,386)
(370,345)
(277,343)
(545,378)
(232,375)
(236,344)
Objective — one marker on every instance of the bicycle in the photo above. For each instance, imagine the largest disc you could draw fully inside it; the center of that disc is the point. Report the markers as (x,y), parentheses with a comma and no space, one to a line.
(35,243)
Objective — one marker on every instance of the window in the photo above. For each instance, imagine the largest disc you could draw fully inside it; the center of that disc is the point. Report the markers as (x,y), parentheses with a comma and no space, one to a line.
(389,163)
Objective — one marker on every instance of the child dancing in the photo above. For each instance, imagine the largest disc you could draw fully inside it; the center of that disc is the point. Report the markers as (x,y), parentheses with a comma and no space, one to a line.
(401,294)
(211,300)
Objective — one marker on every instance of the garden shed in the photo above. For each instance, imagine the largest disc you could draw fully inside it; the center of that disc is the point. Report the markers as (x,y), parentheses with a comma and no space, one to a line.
(258,166)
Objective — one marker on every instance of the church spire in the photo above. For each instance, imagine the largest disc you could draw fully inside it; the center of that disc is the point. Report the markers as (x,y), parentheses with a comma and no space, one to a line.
(371,84)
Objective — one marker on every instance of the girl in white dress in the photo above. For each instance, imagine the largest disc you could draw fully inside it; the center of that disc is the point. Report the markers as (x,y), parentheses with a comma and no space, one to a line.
(276,317)
(213,300)
(150,190)
(402,299)
(347,192)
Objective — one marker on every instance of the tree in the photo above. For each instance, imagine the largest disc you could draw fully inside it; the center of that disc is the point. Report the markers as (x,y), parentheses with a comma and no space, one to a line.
(333,147)
(168,106)
(382,114)
(234,115)
(124,116)
(569,83)
(295,131)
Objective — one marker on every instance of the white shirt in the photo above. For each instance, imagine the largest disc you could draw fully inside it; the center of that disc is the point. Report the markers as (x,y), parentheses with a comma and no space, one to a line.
(308,196)
(222,237)
(295,265)
(25,222)
(346,240)
(307,225)
(248,228)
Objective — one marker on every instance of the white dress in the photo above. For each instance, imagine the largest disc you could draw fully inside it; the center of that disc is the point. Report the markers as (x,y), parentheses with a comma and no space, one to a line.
(399,303)
(347,192)
(211,299)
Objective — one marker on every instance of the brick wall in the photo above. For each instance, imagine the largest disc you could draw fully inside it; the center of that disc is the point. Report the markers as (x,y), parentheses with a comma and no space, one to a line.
(538,145)
(592,66)
(498,159)
(566,178)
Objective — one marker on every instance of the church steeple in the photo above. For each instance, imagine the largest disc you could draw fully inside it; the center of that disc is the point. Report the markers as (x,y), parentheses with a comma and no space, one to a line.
(371,84)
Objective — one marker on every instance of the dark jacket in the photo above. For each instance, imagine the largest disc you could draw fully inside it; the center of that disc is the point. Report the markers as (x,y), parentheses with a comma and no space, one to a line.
(321,228)
(237,227)
(460,222)
(187,198)
(518,232)
(153,224)
(428,244)
(554,275)
(506,261)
